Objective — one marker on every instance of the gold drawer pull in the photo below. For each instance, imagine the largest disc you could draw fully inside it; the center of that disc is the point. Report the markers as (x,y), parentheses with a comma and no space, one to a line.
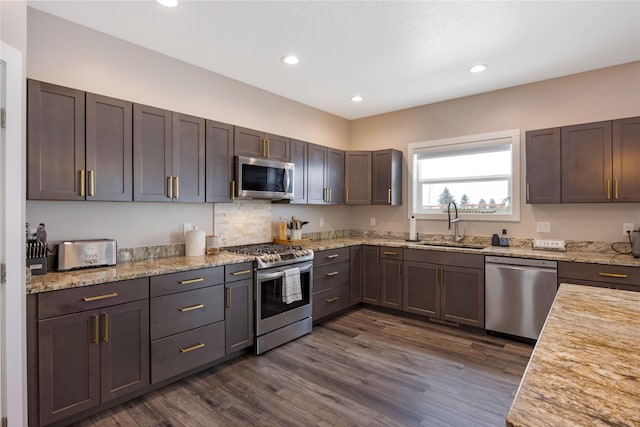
(190,281)
(334,299)
(332,256)
(238,273)
(193,347)
(390,253)
(620,276)
(333,273)
(99,297)
(193,307)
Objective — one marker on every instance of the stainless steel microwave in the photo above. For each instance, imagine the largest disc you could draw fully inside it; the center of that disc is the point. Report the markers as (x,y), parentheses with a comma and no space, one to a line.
(263,179)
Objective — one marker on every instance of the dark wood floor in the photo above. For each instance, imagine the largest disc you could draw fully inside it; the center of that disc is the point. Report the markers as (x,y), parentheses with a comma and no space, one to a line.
(364,368)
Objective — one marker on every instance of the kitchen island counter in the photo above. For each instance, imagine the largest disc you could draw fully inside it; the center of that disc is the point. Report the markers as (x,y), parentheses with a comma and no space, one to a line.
(584,370)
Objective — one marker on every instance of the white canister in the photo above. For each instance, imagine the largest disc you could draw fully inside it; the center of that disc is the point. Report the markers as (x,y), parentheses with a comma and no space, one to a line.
(195,242)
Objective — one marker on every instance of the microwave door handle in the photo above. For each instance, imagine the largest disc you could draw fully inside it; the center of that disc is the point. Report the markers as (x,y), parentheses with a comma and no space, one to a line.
(287,180)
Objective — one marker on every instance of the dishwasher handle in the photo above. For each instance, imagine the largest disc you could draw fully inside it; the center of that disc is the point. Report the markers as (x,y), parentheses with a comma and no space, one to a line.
(525,262)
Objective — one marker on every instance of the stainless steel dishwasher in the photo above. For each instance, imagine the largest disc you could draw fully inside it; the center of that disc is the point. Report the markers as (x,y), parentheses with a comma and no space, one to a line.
(518,294)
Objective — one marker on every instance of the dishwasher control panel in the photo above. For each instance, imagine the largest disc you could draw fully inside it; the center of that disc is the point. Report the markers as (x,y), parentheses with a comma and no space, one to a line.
(550,245)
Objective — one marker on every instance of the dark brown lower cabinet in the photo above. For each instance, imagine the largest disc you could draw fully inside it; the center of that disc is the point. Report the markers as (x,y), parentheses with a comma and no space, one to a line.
(371,275)
(382,276)
(331,282)
(391,275)
(91,357)
(355,274)
(421,289)
(599,275)
(462,295)
(239,315)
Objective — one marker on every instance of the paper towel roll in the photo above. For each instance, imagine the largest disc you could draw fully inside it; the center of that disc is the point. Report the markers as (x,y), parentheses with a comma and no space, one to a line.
(195,243)
(412,229)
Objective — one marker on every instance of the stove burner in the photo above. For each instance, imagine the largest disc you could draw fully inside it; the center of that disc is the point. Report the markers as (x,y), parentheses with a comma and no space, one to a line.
(270,254)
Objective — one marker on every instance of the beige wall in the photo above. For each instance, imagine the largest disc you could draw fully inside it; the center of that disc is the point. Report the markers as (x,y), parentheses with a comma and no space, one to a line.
(597,95)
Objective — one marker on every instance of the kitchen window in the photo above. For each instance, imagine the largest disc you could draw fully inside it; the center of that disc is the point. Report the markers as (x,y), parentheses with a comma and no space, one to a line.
(480,173)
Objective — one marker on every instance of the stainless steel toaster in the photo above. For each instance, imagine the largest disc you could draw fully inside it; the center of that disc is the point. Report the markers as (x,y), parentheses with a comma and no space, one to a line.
(74,254)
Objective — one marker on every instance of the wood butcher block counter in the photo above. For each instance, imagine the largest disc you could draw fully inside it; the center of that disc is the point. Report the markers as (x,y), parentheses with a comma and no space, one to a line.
(585,368)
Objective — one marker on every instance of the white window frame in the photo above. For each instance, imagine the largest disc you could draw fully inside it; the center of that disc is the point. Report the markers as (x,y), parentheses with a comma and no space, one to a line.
(511,136)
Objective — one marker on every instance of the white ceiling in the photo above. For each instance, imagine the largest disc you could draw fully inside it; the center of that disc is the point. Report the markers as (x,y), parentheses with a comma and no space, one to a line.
(395,54)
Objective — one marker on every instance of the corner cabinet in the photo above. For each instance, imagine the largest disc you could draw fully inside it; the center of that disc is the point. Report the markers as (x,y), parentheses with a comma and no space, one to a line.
(387,177)
(382,276)
(357,172)
(255,143)
(325,175)
(93,346)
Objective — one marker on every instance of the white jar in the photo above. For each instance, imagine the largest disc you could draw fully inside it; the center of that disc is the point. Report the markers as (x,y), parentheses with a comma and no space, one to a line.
(195,243)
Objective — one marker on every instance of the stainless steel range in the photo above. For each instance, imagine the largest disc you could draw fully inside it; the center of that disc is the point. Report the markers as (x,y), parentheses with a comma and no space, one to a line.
(280,318)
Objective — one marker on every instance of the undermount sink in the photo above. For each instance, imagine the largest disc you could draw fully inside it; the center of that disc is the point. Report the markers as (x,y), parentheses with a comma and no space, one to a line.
(454,245)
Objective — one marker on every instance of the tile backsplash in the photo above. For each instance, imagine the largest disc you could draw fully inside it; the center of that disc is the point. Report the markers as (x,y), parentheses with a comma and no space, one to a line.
(242,222)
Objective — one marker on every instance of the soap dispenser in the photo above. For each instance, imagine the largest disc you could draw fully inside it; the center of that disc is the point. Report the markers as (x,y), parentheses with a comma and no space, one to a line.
(504,240)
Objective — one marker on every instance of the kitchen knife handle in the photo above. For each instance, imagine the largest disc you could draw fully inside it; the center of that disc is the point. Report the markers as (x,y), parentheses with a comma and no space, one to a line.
(92,183)
(100,297)
(177,187)
(170,187)
(82,182)
(105,338)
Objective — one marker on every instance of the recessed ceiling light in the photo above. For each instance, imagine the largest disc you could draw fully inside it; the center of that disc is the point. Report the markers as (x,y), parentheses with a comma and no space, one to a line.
(168,3)
(356,98)
(290,59)
(478,68)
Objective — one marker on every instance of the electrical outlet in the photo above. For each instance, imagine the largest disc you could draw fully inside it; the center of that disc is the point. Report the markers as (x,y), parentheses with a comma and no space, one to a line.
(543,227)
(321,222)
(372,221)
(186,227)
(627,226)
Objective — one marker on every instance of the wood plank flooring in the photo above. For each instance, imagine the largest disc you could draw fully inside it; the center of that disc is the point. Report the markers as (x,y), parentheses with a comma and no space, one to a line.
(364,368)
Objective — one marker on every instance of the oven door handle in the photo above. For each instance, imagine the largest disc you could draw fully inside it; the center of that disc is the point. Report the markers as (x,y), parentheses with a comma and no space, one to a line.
(278,274)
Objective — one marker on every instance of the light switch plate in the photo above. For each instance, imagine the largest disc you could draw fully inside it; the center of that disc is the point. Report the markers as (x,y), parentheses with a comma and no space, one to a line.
(550,244)
(543,227)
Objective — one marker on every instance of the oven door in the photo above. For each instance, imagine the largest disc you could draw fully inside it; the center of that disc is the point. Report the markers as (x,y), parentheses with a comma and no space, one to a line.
(264,179)
(271,312)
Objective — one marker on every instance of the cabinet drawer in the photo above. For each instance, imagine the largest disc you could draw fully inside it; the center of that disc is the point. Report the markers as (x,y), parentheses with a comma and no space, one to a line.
(391,253)
(331,255)
(329,302)
(330,276)
(599,273)
(186,280)
(179,353)
(444,258)
(235,272)
(171,314)
(74,300)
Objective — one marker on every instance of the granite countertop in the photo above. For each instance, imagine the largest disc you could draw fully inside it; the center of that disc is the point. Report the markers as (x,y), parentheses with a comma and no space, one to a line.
(135,269)
(585,368)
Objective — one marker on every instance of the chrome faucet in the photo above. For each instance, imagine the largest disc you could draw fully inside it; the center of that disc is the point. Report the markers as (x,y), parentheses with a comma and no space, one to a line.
(454,221)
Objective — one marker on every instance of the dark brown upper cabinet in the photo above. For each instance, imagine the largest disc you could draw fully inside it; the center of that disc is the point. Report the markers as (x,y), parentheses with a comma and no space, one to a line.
(543,166)
(67,164)
(325,175)
(255,143)
(219,162)
(299,150)
(626,160)
(357,171)
(55,142)
(168,152)
(387,177)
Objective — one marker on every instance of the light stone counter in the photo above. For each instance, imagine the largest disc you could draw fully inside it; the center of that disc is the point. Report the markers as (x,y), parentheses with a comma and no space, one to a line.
(585,368)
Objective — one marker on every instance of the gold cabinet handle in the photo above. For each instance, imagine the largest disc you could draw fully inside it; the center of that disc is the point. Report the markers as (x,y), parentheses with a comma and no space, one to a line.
(105,338)
(333,273)
(99,297)
(268,148)
(264,148)
(170,187)
(389,196)
(330,195)
(193,347)
(190,281)
(346,195)
(228,299)
(334,299)
(96,329)
(620,276)
(191,308)
(390,253)
(233,190)
(82,182)
(528,190)
(92,183)
(616,189)
(241,272)
(177,187)
(332,256)
(608,189)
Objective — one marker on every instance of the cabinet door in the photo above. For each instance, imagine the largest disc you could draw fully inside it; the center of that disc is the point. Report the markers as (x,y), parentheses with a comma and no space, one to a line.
(55,142)
(387,177)
(125,349)
(335,176)
(69,365)
(355,274)
(151,154)
(249,142)
(277,147)
(357,171)
(239,315)
(391,286)
(188,158)
(371,275)
(316,185)
(543,166)
(586,163)
(299,151)
(218,162)
(626,159)
(421,292)
(109,148)
(463,295)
